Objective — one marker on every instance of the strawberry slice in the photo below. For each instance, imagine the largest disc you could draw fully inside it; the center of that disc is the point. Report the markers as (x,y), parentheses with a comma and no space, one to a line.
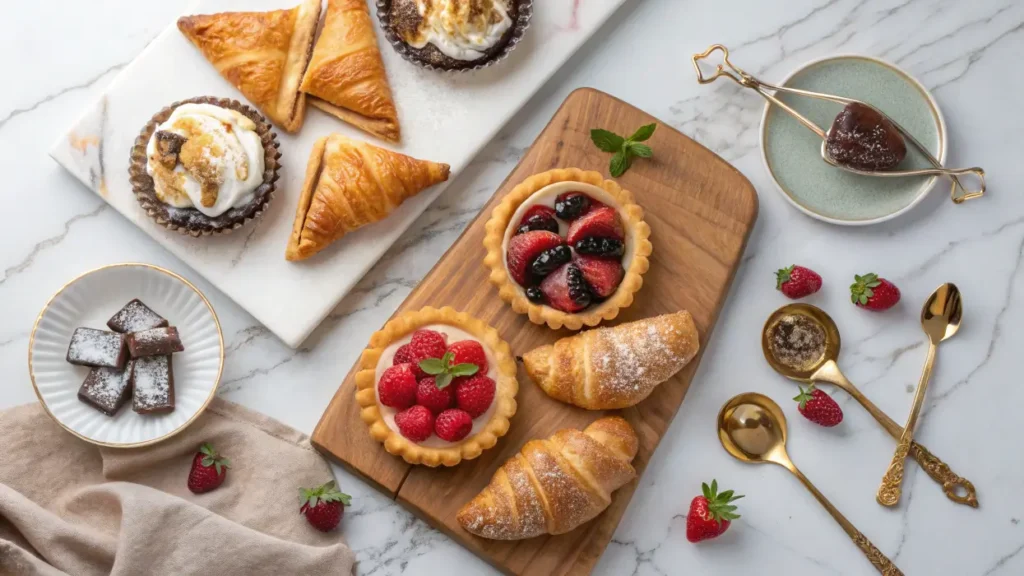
(603,276)
(601,222)
(524,248)
(566,289)
(538,217)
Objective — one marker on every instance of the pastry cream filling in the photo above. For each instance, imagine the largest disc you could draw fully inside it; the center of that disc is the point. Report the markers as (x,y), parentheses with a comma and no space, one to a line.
(546,197)
(451,334)
(205,157)
(461,29)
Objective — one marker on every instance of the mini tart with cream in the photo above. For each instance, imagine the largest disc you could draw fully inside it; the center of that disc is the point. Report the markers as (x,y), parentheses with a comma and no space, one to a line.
(204,166)
(436,386)
(454,34)
(567,248)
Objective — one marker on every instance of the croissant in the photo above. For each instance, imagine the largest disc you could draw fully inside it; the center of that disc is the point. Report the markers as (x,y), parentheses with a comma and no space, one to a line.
(346,73)
(617,367)
(555,485)
(263,54)
(350,184)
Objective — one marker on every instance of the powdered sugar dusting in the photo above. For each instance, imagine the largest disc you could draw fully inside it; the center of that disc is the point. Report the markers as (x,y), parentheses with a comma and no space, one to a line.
(153,383)
(135,316)
(91,347)
(104,388)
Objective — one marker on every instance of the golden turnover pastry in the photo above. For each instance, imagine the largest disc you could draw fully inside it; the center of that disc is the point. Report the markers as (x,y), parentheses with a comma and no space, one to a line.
(350,184)
(346,75)
(436,386)
(567,248)
(555,485)
(263,54)
(616,367)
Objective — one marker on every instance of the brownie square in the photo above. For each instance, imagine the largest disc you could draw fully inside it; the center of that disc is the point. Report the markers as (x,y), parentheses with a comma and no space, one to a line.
(107,389)
(155,342)
(153,385)
(97,348)
(135,316)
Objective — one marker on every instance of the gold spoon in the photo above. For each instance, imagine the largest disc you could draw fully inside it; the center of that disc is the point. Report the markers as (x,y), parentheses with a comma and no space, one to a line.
(737,75)
(825,369)
(940,319)
(752,428)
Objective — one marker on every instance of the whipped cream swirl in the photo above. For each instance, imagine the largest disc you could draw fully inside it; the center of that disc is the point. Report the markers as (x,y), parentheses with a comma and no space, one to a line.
(206,157)
(461,29)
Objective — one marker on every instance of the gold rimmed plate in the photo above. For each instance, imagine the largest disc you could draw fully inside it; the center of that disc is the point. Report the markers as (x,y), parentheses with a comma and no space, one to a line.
(90,300)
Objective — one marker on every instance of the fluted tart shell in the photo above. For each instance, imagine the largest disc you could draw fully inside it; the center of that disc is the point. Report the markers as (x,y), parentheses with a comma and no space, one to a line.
(504,396)
(637,231)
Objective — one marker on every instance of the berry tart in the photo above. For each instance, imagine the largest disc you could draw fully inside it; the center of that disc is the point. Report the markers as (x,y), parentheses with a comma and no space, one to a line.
(567,248)
(436,386)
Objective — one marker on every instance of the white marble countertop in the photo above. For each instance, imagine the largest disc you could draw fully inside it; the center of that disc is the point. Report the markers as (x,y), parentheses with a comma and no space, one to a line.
(62,55)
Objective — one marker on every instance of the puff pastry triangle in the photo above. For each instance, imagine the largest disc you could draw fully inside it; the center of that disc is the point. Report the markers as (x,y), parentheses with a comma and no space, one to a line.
(263,54)
(346,73)
(350,184)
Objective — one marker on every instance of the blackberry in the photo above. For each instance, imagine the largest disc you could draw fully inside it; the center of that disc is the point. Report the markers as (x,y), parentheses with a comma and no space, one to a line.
(550,260)
(579,292)
(538,222)
(604,247)
(535,295)
(570,206)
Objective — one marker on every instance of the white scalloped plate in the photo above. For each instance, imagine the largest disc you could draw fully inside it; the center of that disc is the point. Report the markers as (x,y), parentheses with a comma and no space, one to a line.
(90,300)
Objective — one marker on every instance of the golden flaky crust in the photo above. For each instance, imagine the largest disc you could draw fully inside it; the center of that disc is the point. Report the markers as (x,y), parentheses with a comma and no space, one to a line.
(555,485)
(350,184)
(346,73)
(263,54)
(632,219)
(616,367)
(504,396)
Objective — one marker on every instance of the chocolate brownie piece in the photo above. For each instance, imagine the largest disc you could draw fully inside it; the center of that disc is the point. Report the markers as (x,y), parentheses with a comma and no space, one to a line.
(107,389)
(155,342)
(134,317)
(90,347)
(153,385)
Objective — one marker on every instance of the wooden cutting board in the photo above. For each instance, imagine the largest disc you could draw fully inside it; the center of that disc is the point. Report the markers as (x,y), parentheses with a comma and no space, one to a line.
(700,210)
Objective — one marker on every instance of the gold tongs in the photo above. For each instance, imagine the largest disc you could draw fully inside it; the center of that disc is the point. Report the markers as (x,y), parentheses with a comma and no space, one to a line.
(958,193)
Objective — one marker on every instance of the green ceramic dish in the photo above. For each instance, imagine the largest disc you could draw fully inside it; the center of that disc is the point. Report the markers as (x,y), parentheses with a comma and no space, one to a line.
(792,153)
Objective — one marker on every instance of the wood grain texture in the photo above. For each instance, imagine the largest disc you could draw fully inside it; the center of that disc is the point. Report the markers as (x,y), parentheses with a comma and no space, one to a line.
(700,210)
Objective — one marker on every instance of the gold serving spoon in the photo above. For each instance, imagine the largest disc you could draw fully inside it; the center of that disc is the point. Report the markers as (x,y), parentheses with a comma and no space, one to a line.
(940,319)
(737,75)
(825,369)
(752,428)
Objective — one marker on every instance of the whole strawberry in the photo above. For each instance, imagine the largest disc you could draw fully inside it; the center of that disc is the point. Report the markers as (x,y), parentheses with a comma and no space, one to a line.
(711,513)
(797,281)
(819,407)
(323,506)
(209,470)
(874,293)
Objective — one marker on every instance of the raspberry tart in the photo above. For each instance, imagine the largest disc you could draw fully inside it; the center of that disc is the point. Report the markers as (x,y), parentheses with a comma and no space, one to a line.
(437,386)
(567,248)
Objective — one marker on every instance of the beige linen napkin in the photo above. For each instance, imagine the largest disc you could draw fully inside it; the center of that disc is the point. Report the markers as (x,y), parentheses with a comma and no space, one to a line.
(69,507)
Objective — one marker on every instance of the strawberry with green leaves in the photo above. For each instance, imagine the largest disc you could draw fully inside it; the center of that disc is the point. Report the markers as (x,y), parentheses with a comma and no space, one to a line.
(624,149)
(711,513)
(819,407)
(873,293)
(209,469)
(323,506)
(797,281)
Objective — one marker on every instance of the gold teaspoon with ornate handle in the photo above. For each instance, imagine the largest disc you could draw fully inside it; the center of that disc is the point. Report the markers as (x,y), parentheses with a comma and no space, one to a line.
(752,428)
(940,319)
(823,368)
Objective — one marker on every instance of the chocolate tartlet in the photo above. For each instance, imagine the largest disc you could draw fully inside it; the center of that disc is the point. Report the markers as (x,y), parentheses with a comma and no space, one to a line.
(454,35)
(195,167)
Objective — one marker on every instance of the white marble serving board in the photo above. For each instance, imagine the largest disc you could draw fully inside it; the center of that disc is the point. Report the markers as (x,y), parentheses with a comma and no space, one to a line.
(444,117)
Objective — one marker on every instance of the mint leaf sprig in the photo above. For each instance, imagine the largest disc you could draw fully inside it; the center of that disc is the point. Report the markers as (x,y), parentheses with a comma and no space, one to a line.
(624,148)
(443,370)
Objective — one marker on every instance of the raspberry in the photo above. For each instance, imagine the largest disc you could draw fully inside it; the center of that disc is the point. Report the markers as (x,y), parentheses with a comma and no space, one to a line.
(403,355)
(471,352)
(425,344)
(415,423)
(475,394)
(453,425)
(435,399)
(397,387)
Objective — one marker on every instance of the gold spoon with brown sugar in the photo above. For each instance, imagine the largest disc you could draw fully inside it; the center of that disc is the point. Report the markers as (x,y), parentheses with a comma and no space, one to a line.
(814,360)
(940,319)
(752,428)
(842,146)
